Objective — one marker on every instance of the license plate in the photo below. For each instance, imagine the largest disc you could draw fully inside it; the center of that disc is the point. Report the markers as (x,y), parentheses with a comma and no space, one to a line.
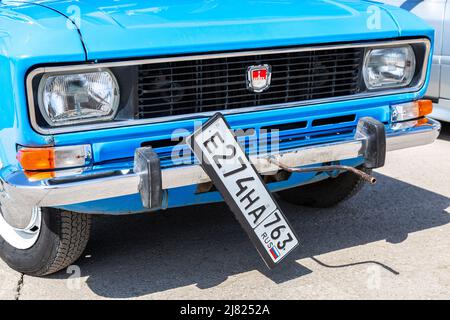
(229,168)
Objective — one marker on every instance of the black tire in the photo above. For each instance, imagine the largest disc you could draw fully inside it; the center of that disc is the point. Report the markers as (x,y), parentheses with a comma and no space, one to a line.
(62,239)
(326,193)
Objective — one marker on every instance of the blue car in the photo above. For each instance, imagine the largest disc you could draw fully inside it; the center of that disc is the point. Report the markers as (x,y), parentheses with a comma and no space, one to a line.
(98,98)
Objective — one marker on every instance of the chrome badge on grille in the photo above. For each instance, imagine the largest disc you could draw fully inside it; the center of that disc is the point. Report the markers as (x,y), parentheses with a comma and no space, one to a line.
(258,77)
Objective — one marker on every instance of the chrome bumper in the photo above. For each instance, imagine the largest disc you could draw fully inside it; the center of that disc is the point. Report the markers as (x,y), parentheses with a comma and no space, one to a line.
(17,190)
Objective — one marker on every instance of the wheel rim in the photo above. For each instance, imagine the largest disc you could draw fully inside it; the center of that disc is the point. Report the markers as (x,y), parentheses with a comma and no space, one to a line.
(22,238)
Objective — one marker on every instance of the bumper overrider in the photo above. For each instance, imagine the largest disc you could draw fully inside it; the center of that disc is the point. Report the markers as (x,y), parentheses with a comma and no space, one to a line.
(145,177)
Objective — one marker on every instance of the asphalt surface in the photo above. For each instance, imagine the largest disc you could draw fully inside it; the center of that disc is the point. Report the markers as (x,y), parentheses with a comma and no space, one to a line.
(390,241)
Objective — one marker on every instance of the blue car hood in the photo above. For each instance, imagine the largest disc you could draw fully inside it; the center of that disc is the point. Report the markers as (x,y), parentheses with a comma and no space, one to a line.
(116,29)
(113,29)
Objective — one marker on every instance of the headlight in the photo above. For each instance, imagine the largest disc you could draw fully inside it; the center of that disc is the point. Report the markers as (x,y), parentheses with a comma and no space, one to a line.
(389,67)
(66,99)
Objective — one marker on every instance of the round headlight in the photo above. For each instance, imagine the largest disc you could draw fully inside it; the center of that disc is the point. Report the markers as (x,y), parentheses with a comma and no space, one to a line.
(66,99)
(389,67)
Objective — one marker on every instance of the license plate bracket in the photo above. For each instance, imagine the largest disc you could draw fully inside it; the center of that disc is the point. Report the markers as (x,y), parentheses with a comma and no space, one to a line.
(235,177)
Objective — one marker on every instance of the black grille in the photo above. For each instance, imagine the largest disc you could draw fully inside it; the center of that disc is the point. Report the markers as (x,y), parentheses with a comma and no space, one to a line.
(185,87)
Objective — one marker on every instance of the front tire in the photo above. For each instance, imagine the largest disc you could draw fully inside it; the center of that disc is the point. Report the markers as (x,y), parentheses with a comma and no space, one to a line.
(61,238)
(326,193)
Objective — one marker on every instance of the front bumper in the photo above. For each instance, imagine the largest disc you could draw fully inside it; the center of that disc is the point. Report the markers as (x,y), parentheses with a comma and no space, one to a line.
(20,194)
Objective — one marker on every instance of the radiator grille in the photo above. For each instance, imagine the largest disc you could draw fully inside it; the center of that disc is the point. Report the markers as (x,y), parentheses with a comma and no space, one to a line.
(186,87)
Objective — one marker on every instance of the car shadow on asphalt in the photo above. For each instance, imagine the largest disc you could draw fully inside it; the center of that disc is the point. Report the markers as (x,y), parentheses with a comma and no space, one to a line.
(132,256)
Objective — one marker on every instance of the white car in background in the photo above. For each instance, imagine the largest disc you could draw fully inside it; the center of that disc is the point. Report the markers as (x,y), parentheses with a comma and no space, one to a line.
(437,14)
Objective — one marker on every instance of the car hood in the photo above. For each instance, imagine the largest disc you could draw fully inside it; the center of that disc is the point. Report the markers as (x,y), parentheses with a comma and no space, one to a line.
(113,29)
(34,34)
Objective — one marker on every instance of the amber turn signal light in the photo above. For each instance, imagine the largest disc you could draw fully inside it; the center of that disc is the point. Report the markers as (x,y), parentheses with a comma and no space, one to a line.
(36,158)
(412,110)
(425,107)
(53,158)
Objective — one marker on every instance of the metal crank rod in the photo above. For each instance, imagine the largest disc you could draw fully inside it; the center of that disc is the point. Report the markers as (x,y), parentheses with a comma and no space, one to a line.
(366,177)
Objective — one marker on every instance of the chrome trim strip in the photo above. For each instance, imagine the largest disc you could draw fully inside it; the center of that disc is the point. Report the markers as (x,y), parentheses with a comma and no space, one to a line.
(194,174)
(417,136)
(90,66)
(19,193)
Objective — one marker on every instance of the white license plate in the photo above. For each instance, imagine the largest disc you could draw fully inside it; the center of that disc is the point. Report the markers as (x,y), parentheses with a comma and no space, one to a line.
(224,160)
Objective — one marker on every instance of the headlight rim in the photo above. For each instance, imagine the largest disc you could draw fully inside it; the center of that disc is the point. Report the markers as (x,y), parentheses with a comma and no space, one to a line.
(52,124)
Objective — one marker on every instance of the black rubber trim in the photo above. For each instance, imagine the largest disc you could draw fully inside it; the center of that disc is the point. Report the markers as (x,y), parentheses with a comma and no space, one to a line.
(147,165)
(375,153)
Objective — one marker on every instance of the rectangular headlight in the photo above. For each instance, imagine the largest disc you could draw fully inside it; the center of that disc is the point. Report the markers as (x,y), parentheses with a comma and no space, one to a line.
(73,98)
(391,67)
